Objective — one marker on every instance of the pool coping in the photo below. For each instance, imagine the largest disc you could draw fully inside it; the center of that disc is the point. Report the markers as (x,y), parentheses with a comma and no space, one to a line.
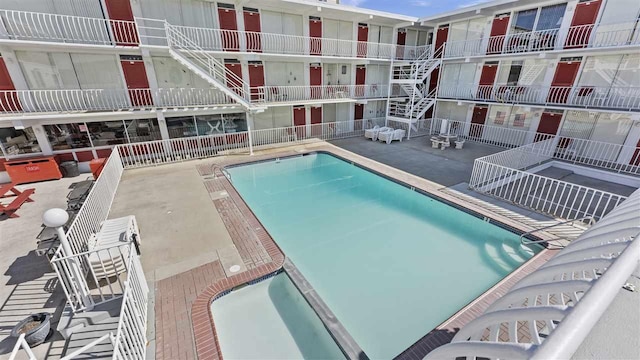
(207,344)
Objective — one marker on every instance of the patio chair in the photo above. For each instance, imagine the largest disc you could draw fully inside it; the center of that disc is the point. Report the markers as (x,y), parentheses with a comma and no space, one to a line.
(459,144)
(389,135)
(373,133)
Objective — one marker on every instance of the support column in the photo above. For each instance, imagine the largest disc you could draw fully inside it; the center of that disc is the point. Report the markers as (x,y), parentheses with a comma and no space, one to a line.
(249,127)
(151,76)
(242,39)
(162,125)
(43,140)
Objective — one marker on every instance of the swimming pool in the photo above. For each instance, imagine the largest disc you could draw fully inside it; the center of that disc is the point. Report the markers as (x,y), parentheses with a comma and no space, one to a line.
(390,262)
(271,320)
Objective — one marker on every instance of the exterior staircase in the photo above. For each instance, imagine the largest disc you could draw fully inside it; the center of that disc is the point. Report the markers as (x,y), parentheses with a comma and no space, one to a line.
(188,53)
(413,99)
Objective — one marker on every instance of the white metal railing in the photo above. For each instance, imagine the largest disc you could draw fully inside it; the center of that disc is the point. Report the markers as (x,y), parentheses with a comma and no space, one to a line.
(181,149)
(487,134)
(583,36)
(33,26)
(525,156)
(621,98)
(612,157)
(22,344)
(212,70)
(26,101)
(275,93)
(130,341)
(104,267)
(550,196)
(550,312)
(96,206)
(233,40)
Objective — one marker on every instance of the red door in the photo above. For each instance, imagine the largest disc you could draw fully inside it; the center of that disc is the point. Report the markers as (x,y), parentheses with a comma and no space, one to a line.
(433,79)
(256,80)
(121,20)
(136,77)
(253,29)
(358,115)
(402,40)
(549,124)
(361,75)
(8,97)
(316,121)
(315,80)
(498,32)
(441,37)
(565,76)
(234,76)
(584,17)
(477,121)
(229,27)
(299,121)
(315,33)
(363,37)
(487,79)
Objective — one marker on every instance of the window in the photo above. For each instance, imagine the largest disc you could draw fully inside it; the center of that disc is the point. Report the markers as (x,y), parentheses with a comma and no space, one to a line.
(107,133)
(140,130)
(551,17)
(525,21)
(514,73)
(203,125)
(15,142)
(181,127)
(67,136)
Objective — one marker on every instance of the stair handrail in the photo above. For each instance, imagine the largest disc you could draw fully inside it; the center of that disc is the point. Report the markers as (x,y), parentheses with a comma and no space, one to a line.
(174,37)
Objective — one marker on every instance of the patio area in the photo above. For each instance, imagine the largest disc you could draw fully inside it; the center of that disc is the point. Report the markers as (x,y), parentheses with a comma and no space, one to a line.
(416,156)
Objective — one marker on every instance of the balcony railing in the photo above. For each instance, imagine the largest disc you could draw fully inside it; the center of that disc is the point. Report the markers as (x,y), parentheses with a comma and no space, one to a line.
(33,26)
(619,98)
(232,40)
(26,101)
(32,101)
(310,93)
(584,36)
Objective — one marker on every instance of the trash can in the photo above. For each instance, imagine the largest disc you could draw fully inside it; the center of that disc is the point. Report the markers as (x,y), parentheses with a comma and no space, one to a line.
(70,169)
(96,166)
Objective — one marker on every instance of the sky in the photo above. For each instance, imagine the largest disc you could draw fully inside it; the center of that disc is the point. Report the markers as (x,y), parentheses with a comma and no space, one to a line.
(417,8)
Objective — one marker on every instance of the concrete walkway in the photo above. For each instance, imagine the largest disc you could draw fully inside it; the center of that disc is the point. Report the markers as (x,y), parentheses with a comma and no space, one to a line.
(29,285)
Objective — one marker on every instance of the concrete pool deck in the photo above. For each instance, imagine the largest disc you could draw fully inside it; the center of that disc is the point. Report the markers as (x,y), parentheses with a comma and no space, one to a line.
(193,229)
(186,279)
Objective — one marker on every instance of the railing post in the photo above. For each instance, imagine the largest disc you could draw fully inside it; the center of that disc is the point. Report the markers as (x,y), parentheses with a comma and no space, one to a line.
(250,138)
(57,218)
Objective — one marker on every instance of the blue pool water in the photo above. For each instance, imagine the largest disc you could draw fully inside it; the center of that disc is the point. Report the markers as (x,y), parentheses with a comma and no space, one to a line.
(391,263)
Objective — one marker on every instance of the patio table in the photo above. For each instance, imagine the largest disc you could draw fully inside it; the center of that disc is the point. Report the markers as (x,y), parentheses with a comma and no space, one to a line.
(21,198)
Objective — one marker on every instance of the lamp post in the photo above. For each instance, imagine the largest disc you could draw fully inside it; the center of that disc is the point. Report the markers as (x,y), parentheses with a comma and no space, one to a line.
(56,218)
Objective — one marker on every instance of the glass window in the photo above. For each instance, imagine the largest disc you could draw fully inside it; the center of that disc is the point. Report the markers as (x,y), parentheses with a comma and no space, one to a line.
(181,127)
(140,130)
(15,142)
(67,136)
(551,17)
(514,73)
(209,124)
(524,21)
(107,133)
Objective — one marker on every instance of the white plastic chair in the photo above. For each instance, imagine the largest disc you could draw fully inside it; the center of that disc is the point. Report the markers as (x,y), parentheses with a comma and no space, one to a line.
(390,135)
